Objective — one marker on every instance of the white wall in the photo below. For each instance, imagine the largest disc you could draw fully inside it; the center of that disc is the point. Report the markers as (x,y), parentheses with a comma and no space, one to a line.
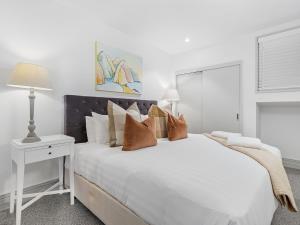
(238,49)
(279,126)
(61,38)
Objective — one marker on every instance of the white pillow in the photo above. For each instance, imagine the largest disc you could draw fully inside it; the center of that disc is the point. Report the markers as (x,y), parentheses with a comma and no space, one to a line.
(247,142)
(101,128)
(144,117)
(90,129)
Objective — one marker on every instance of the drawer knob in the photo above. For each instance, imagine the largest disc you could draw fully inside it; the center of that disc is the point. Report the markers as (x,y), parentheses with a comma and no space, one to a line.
(49,153)
(49,146)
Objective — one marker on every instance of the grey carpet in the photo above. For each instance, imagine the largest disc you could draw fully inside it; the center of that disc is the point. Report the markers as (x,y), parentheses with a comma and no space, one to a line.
(56,210)
(53,210)
(283,217)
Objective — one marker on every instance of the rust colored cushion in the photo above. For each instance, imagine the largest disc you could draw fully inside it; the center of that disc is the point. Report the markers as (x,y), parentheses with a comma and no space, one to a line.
(138,134)
(160,117)
(177,128)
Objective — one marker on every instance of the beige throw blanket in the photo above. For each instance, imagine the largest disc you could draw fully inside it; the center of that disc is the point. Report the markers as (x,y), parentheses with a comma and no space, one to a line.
(280,183)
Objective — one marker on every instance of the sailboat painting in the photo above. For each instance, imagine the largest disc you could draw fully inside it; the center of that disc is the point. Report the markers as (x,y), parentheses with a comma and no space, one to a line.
(117,70)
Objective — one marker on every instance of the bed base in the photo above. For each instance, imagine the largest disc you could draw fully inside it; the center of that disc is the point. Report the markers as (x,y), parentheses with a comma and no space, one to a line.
(109,210)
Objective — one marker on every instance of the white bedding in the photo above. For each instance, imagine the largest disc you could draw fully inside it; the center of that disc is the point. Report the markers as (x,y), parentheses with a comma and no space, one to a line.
(194,181)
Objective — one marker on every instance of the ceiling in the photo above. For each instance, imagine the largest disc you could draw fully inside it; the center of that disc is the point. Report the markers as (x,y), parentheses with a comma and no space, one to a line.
(167,23)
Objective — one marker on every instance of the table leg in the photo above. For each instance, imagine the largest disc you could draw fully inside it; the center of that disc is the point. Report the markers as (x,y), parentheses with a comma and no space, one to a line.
(13,188)
(20,183)
(71,170)
(61,172)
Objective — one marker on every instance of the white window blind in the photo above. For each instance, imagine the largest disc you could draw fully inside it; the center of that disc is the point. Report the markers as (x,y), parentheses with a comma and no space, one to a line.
(279,61)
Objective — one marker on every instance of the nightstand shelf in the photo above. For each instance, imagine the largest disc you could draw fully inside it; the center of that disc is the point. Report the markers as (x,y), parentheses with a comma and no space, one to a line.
(50,147)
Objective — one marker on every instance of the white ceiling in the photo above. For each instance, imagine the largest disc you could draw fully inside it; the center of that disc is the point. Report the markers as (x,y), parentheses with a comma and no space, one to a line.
(166,23)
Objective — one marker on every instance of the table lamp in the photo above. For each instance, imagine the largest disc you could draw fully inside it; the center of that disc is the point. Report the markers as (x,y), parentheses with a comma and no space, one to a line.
(33,77)
(171,95)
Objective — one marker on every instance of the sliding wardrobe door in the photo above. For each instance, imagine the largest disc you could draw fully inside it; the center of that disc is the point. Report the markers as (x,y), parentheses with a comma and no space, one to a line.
(189,87)
(221,99)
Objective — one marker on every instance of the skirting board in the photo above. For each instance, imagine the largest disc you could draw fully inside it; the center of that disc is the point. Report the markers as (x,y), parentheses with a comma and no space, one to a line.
(4,199)
(291,163)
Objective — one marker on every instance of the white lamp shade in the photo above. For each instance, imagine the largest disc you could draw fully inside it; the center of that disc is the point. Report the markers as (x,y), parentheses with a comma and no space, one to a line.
(26,75)
(171,95)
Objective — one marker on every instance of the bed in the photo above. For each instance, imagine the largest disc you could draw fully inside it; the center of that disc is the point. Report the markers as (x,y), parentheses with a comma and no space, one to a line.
(190,181)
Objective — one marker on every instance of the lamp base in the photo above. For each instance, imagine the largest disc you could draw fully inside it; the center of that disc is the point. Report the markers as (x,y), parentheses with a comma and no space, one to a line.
(31,139)
(31,136)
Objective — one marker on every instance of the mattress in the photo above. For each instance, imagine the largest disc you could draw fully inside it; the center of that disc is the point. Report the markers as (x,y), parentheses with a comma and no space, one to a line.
(185,182)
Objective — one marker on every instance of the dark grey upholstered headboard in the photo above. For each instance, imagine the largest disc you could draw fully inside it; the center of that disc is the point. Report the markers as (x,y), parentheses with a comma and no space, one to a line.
(77,107)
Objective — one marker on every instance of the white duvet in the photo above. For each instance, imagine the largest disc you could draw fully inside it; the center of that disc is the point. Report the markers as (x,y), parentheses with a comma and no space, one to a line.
(194,181)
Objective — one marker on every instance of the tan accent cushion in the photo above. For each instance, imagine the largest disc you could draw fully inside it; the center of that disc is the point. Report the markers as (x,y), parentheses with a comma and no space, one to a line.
(117,118)
(138,135)
(160,117)
(177,128)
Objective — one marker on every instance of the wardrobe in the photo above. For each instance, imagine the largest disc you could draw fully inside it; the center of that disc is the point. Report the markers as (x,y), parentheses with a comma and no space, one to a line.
(210,98)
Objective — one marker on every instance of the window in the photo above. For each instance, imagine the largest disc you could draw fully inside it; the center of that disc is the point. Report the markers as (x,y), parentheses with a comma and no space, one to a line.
(279,61)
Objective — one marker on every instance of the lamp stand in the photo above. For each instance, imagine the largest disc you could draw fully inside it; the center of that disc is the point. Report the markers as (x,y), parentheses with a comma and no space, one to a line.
(172,110)
(173,107)
(31,136)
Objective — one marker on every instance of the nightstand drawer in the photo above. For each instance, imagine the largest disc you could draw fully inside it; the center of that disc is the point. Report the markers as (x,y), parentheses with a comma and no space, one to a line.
(49,152)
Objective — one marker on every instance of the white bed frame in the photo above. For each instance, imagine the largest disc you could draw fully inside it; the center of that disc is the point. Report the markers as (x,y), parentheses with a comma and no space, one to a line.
(108,209)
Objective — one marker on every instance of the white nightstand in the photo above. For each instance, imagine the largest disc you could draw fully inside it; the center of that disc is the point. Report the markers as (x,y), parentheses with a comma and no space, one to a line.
(50,147)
